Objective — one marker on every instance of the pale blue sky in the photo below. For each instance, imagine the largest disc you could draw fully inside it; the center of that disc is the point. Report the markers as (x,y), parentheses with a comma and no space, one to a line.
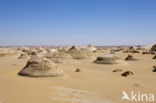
(77,22)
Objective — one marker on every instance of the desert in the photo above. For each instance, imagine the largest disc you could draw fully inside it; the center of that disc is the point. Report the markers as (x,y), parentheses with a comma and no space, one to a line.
(77,51)
(42,76)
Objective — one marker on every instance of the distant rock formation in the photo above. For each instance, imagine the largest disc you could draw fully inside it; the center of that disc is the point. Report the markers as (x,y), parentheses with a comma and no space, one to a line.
(7,52)
(91,48)
(77,53)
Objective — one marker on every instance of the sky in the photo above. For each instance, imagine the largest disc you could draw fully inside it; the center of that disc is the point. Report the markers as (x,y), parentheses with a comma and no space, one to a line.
(77,22)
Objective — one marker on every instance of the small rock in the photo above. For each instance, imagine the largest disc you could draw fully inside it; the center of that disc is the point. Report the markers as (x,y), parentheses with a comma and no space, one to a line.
(77,70)
(154,70)
(127,73)
(117,70)
(130,57)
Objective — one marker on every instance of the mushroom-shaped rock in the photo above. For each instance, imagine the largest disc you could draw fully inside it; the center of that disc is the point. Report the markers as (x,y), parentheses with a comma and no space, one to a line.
(127,73)
(38,66)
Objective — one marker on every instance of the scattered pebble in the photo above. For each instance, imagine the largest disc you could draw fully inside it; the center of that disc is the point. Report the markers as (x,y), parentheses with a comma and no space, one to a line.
(117,70)
(77,70)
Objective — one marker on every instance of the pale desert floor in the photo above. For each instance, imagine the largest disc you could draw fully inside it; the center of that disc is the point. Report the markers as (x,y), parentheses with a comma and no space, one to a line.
(96,83)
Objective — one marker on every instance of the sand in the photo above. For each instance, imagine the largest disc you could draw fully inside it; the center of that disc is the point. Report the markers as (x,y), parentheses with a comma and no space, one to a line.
(96,83)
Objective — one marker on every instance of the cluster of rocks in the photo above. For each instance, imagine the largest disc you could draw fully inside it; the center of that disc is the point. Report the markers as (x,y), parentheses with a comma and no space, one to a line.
(40,63)
(42,60)
(150,50)
(112,59)
(133,49)
(125,74)
(8,52)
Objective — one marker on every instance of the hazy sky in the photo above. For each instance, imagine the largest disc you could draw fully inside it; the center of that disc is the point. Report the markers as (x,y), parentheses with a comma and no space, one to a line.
(77,22)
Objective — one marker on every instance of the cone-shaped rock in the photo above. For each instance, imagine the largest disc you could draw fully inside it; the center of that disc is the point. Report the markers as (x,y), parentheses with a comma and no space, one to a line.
(77,53)
(91,47)
(73,49)
(38,66)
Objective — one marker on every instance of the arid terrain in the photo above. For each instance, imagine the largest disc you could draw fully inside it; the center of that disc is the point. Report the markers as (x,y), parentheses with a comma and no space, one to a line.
(75,74)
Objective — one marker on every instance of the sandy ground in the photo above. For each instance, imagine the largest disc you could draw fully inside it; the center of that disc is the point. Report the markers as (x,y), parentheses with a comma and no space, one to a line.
(96,83)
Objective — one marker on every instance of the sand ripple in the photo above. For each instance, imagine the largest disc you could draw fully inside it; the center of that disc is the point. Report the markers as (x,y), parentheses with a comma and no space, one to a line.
(69,95)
